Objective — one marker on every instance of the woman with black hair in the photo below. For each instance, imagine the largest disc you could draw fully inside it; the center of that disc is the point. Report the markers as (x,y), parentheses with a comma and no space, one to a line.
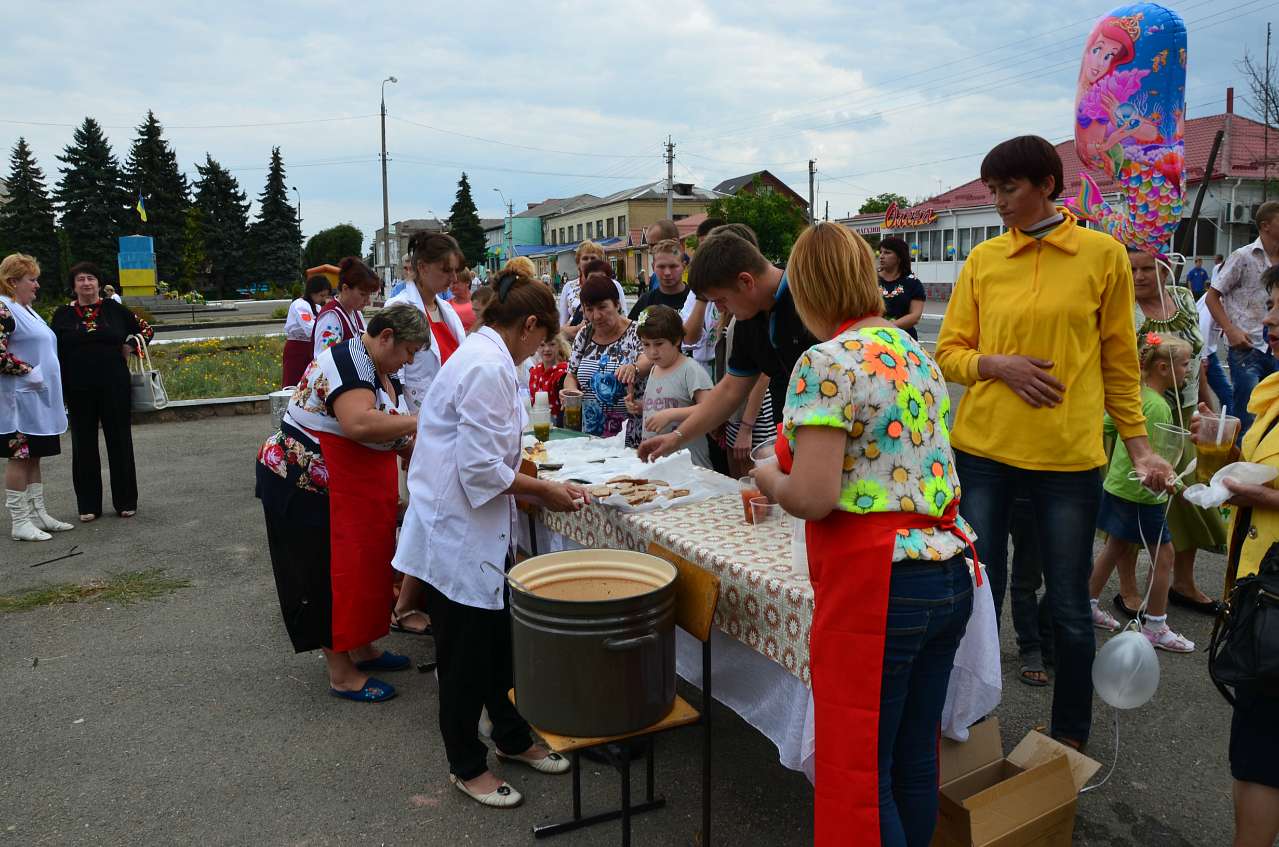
(299,327)
(903,293)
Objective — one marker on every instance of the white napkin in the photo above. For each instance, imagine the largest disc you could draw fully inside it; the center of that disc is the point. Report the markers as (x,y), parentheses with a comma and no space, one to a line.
(1215,493)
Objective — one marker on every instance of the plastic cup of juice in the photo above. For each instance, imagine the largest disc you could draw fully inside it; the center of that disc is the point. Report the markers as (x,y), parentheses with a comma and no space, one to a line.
(1213,445)
(748,491)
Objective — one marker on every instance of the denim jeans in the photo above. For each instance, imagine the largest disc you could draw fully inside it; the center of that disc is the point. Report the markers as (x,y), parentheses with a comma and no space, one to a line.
(1064,505)
(1032,618)
(1247,368)
(928,609)
(1220,384)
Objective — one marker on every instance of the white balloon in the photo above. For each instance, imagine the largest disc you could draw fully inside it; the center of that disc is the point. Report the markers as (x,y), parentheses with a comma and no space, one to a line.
(1126,671)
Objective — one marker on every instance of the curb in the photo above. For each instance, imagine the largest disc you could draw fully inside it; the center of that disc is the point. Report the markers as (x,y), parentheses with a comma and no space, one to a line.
(159,328)
(194,410)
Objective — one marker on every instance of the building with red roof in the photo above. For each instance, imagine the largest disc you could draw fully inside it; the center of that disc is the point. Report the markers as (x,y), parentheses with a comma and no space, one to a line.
(943,229)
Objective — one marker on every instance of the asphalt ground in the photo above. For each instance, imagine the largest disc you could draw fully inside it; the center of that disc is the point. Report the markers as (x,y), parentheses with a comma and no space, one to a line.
(189,720)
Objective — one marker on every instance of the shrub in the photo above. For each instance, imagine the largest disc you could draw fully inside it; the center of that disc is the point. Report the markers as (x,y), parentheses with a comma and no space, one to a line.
(279,313)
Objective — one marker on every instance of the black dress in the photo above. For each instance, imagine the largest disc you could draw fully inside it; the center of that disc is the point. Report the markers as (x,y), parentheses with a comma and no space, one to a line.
(898,295)
(95,385)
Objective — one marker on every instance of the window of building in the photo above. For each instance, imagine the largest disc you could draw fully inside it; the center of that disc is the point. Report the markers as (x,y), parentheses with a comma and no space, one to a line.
(579,232)
(590,229)
(599,228)
(610,227)
(935,243)
(993,231)
(965,242)
(948,244)
(562,238)
(925,248)
(621,224)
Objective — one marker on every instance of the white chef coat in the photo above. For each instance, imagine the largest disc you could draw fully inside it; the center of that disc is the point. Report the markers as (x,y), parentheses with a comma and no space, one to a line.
(300,320)
(466,457)
(32,404)
(417,377)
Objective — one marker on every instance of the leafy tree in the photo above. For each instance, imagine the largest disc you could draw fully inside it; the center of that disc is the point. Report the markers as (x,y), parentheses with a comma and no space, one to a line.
(275,238)
(224,214)
(194,266)
(93,199)
(26,221)
(881,202)
(777,221)
(330,246)
(152,172)
(464,224)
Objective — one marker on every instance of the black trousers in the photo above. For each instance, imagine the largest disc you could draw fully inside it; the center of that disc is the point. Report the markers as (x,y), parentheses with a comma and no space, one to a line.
(300,562)
(109,406)
(473,655)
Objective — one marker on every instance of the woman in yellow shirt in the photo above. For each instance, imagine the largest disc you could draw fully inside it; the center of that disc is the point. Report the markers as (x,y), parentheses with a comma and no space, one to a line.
(1254,729)
(1039,328)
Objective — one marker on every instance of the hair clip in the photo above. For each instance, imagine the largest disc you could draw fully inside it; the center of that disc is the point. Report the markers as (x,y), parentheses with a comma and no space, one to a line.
(1153,339)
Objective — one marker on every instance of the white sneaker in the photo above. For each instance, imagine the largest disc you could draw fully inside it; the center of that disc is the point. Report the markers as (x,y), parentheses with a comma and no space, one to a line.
(39,517)
(20,515)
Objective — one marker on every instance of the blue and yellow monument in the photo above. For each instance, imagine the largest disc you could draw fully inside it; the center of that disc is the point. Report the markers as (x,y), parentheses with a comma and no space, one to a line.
(137,266)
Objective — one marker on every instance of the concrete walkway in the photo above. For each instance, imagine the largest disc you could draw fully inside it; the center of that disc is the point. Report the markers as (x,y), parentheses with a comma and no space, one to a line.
(188,719)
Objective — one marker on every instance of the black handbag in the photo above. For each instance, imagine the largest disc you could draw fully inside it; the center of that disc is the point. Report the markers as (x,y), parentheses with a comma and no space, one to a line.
(1244,650)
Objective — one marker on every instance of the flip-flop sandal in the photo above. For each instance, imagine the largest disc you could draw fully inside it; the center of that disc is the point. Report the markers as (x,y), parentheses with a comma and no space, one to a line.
(1033,682)
(388,661)
(397,624)
(374,691)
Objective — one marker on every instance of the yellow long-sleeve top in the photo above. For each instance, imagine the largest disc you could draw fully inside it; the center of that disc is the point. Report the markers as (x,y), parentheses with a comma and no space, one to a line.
(1066,298)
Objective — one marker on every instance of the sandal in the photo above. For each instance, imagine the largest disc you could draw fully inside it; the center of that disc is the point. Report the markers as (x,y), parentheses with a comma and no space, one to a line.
(1166,639)
(397,622)
(1102,619)
(1027,676)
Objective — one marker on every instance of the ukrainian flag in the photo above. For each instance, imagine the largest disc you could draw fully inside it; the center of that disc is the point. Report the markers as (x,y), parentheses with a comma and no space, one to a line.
(142,210)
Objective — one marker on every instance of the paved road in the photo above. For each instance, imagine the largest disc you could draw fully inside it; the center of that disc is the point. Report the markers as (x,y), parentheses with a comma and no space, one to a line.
(189,720)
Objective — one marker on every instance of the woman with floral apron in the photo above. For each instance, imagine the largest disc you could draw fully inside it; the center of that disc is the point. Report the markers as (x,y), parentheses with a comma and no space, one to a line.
(864,433)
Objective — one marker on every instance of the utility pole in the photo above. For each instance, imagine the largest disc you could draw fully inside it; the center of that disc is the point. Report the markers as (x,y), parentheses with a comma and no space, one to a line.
(826,217)
(670,179)
(1265,108)
(386,213)
(510,229)
(812,199)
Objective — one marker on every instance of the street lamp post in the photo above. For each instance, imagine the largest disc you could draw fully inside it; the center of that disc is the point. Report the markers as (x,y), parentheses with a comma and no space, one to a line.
(386,213)
(510,225)
(298,195)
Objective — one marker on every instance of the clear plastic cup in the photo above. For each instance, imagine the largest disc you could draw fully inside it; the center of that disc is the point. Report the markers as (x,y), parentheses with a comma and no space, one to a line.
(1213,444)
(571,403)
(766,514)
(765,453)
(748,491)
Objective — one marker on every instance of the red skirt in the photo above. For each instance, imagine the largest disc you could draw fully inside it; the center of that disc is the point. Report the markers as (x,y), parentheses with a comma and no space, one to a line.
(363,493)
(297,355)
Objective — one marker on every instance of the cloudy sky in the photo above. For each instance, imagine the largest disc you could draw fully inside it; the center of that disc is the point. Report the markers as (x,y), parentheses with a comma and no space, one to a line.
(543,99)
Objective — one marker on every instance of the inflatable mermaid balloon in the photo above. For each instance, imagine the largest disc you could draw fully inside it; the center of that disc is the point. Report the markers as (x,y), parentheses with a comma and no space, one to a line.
(1130,108)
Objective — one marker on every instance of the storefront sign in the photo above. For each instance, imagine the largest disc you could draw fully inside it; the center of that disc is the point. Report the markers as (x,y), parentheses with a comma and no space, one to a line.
(895,218)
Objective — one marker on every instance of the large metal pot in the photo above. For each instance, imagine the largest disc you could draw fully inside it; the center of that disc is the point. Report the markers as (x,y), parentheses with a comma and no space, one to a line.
(596,664)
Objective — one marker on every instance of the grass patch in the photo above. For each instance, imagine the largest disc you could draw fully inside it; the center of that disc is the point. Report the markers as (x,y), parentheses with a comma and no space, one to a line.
(125,588)
(230,367)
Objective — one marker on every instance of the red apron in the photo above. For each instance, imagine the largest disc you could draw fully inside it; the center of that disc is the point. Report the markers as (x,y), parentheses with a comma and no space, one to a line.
(363,491)
(297,355)
(850,562)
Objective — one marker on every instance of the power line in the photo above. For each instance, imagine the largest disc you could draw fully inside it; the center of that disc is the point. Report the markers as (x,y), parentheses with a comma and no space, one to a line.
(197,126)
(519,146)
(497,168)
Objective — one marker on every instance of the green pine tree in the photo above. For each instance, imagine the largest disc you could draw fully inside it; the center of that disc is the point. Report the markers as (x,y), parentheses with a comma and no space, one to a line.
(93,200)
(26,221)
(275,238)
(152,172)
(224,211)
(194,267)
(464,224)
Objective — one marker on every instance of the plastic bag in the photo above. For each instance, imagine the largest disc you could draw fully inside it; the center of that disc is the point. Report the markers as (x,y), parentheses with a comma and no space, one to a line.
(1215,493)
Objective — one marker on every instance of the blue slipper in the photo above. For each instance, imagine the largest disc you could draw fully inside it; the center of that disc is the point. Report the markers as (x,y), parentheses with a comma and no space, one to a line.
(374,691)
(388,661)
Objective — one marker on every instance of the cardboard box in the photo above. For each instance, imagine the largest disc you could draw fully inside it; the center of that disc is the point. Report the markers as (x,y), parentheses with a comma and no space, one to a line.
(1025,798)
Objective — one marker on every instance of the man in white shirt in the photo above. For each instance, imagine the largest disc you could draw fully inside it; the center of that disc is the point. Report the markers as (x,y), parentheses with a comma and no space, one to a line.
(1216,374)
(1237,301)
(1216,267)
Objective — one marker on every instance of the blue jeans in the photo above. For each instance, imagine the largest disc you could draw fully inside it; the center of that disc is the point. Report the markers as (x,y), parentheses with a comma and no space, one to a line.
(1064,506)
(1220,384)
(1247,368)
(1032,619)
(928,609)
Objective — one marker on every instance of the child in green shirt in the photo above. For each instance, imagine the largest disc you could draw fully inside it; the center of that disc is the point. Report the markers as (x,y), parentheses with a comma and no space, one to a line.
(1131,515)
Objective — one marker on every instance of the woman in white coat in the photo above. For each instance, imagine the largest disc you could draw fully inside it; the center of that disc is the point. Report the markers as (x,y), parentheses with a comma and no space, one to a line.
(463,481)
(436,261)
(31,412)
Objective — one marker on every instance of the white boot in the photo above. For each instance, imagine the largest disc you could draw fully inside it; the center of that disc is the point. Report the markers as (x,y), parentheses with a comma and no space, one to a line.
(20,514)
(39,517)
